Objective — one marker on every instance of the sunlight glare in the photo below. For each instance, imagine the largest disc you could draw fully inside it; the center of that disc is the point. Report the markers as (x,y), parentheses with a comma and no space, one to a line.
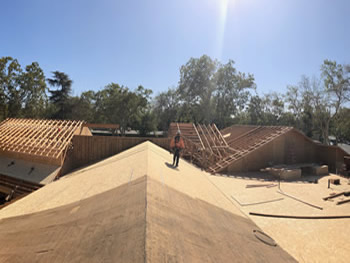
(221,26)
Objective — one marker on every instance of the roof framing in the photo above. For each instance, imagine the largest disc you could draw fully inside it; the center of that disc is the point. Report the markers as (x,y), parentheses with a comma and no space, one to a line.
(46,139)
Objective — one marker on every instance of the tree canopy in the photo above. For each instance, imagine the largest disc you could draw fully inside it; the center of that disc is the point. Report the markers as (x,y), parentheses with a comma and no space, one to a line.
(208,91)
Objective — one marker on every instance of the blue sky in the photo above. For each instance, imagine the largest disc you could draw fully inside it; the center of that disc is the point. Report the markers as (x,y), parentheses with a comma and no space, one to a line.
(146,41)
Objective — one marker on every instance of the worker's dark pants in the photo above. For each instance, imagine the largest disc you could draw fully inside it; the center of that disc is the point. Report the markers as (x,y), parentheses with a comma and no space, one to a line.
(176,157)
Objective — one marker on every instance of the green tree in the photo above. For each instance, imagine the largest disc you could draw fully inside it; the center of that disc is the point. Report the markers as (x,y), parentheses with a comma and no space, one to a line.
(231,93)
(255,112)
(117,104)
(268,109)
(11,94)
(34,88)
(166,107)
(331,96)
(341,126)
(196,87)
(83,107)
(60,97)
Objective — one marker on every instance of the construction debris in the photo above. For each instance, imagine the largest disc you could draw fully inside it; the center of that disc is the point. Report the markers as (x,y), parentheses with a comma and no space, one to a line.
(295,171)
(336,195)
(320,170)
(343,202)
(300,217)
(285,173)
(260,185)
(334,181)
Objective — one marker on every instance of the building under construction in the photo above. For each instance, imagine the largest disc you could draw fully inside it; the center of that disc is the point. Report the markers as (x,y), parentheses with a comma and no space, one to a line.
(252,148)
(69,196)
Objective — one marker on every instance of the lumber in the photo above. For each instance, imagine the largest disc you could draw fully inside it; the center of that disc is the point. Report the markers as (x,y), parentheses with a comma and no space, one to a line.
(194,126)
(259,185)
(333,196)
(102,125)
(40,138)
(343,202)
(299,217)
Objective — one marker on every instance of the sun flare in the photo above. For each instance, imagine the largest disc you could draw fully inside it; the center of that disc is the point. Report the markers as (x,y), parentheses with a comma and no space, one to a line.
(224,4)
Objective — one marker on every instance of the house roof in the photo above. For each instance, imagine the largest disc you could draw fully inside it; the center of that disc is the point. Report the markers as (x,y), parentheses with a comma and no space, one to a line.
(157,213)
(344,147)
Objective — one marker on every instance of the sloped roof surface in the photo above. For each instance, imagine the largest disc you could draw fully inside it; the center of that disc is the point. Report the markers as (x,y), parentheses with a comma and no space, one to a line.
(132,208)
(345,147)
(242,137)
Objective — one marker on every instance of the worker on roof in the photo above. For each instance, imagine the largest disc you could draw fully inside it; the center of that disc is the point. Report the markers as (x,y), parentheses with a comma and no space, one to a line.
(177,145)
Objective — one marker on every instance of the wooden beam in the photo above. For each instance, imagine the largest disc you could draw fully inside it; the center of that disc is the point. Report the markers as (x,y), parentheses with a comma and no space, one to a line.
(13,131)
(102,125)
(222,137)
(212,140)
(47,138)
(29,139)
(46,135)
(205,138)
(194,126)
(25,135)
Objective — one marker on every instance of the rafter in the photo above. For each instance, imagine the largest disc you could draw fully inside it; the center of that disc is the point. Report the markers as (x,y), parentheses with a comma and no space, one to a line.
(43,138)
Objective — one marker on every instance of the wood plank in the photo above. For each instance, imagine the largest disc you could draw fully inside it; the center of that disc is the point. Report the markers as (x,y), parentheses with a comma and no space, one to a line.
(194,126)
(102,125)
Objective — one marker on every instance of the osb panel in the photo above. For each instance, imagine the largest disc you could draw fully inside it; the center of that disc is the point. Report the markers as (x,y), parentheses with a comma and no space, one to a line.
(278,151)
(332,156)
(306,240)
(109,227)
(90,149)
(84,131)
(118,224)
(178,233)
(270,153)
(303,149)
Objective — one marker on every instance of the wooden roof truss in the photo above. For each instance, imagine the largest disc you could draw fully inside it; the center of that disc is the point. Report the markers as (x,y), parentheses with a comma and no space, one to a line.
(42,138)
(206,145)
